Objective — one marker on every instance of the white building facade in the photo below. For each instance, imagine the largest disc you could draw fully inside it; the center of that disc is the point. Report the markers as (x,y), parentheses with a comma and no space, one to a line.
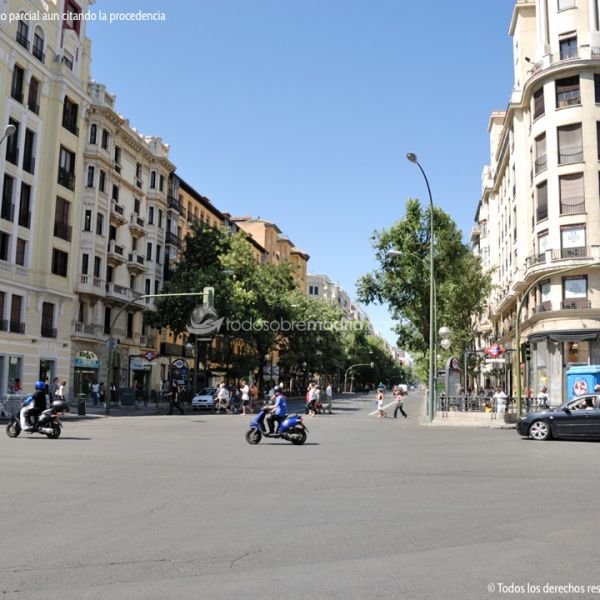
(538,220)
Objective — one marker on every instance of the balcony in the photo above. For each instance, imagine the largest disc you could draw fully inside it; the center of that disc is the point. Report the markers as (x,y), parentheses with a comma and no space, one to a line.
(86,330)
(118,292)
(94,286)
(136,225)
(135,263)
(48,331)
(116,254)
(63,231)
(172,239)
(570,154)
(16,326)
(579,252)
(117,213)
(576,304)
(545,306)
(66,178)
(174,203)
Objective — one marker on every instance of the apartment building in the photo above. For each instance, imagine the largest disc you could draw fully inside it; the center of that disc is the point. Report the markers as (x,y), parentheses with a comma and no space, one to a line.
(321,286)
(44,72)
(537,222)
(122,241)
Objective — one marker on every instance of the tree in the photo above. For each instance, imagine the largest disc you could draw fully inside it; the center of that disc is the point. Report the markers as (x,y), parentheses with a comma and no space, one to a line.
(403,281)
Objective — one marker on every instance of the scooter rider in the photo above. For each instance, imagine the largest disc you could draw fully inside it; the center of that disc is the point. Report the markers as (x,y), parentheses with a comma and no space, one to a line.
(34,405)
(278,410)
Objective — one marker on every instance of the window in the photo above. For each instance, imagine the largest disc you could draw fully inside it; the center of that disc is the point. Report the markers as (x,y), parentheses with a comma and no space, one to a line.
(69,118)
(158,253)
(85,263)
(16,86)
(567,92)
(8,209)
(129,325)
(112,233)
(138,170)
(153,180)
(109,274)
(60,261)
(4,245)
(568,48)
(151,215)
(62,229)
(33,95)
(156,286)
(161,183)
(148,251)
(67,59)
(48,320)
(541,160)
(3,324)
(66,168)
(20,252)
(16,314)
(575,292)
(90,177)
(87,221)
(100,224)
(562,4)
(29,151)
(93,133)
(572,241)
(538,103)
(102,182)
(148,288)
(136,206)
(570,146)
(12,149)
(542,246)
(160,215)
(572,198)
(107,319)
(97,266)
(117,155)
(115,193)
(25,206)
(23,32)
(38,44)
(72,16)
(105,136)
(542,201)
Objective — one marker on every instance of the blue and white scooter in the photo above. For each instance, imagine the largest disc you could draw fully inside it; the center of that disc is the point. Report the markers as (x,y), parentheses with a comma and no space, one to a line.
(291,429)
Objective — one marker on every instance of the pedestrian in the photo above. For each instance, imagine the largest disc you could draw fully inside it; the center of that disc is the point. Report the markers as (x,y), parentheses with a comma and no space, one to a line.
(101,393)
(399,404)
(544,398)
(53,388)
(165,390)
(95,392)
(328,398)
(245,391)
(500,399)
(380,398)
(174,399)
(60,392)
(222,399)
(312,400)
(114,394)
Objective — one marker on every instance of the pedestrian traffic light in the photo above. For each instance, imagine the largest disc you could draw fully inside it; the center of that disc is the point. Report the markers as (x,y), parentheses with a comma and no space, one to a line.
(525,352)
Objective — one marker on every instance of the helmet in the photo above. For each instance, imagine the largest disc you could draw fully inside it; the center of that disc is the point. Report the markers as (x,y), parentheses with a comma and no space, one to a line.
(40,385)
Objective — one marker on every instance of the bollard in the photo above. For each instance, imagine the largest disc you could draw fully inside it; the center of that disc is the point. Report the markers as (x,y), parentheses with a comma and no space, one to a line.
(81,405)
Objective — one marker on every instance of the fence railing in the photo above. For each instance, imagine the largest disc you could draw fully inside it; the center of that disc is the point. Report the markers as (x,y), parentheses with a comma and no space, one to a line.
(485,404)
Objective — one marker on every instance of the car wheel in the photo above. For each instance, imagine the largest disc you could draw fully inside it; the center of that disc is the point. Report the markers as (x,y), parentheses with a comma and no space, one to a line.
(540,431)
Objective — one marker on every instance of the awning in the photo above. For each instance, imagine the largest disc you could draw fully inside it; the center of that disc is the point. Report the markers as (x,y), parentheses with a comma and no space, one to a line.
(573,335)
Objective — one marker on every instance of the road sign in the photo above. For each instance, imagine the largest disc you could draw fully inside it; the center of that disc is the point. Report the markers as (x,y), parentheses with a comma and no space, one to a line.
(150,355)
(495,350)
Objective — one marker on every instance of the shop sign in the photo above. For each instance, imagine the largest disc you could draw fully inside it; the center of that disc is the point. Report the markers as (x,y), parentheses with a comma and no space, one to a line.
(150,355)
(86,359)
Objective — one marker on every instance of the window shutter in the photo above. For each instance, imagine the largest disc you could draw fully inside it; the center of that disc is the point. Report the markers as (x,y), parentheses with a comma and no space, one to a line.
(571,189)
(569,136)
(538,103)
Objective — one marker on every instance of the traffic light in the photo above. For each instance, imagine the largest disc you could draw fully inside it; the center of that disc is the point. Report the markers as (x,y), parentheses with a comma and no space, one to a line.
(525,352)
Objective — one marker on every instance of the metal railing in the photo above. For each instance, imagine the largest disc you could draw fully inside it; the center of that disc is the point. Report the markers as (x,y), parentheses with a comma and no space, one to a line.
(576,304)
(570,154)
(490,405)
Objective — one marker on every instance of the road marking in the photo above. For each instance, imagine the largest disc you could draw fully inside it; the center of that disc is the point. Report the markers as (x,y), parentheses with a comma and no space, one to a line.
(386,406)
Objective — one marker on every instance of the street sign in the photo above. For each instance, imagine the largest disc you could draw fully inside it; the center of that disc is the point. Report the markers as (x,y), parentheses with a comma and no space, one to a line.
(490,361)
(495,350)
(150,355)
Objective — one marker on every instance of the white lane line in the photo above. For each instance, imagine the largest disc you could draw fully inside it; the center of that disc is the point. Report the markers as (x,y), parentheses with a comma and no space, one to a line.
(386,406)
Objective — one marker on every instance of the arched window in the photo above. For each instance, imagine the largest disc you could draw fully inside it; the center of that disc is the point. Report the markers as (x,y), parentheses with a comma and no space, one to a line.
(23,31)
(38,44)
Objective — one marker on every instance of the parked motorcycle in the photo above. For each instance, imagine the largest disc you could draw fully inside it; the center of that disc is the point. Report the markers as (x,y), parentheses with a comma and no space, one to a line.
(291,429)
(48,423)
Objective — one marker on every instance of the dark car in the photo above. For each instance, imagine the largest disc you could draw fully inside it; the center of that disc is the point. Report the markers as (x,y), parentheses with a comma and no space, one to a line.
(578,418)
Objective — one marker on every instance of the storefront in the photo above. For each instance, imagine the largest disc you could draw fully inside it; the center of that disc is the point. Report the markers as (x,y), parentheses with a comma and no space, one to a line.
(86,370)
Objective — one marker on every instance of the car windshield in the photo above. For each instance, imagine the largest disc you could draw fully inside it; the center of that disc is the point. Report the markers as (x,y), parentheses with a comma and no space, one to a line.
(207,392)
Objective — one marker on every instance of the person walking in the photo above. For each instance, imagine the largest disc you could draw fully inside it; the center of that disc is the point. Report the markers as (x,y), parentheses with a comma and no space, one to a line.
(53,388)
(544,398)
(399,394)
(328,399)
(60,392)
(102,393)
(174,399)
(312,400)
(95,392)
(380,398)
(245,391)
(500,399)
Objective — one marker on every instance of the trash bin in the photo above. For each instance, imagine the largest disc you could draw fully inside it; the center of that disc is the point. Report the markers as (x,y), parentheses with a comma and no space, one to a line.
(81,405)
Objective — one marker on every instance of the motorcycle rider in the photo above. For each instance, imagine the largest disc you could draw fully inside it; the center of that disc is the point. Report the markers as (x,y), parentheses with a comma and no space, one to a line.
(278,410)
(34,405)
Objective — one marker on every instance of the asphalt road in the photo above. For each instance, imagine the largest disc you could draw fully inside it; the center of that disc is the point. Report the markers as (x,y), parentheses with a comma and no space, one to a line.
(160,507)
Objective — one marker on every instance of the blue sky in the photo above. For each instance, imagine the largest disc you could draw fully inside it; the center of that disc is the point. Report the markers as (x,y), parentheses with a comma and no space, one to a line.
(302,111)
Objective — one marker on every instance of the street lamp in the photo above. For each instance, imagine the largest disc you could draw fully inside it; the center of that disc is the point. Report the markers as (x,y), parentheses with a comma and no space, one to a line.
(431,408)
(9,130)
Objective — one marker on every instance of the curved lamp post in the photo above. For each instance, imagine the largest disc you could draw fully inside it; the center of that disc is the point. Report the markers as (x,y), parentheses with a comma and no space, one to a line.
(9,130)
(431,381)
(371,364)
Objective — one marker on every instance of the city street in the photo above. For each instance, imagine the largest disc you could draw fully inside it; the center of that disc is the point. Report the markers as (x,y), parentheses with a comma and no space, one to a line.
(168,507)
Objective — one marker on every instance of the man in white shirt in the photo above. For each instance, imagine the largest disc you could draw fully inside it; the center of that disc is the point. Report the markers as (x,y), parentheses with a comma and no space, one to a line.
(500,398)
(245,390)
(328,398)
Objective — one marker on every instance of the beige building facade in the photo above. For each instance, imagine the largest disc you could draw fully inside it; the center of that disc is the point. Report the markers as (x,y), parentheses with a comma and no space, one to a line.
(44,73)
(538,220)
